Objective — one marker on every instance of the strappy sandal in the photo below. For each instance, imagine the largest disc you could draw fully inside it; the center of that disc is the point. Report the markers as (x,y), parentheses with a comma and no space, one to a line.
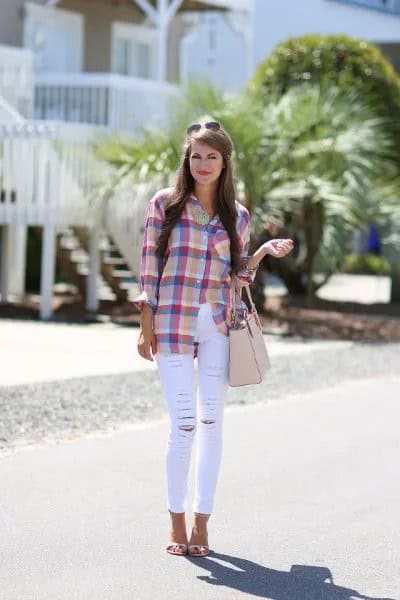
(173,545)
(200,547)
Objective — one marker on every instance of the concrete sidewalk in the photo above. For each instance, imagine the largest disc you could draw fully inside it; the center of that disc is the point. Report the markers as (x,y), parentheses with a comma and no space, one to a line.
(34,351)
(307,508)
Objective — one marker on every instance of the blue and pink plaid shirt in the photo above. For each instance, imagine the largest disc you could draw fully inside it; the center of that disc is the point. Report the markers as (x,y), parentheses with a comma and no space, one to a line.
(195,270)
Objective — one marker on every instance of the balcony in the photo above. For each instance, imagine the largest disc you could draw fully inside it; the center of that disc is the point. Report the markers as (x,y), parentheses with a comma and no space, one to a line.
(119,102)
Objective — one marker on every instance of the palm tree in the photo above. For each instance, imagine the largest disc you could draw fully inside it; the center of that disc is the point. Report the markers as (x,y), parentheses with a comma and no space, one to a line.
(323,152)
(310,157)
(156,153)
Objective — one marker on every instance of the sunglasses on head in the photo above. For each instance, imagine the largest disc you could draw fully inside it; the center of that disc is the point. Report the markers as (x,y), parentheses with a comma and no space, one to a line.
(209,125)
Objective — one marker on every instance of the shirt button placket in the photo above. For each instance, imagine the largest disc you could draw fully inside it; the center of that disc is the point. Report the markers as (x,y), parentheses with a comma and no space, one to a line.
(204,238)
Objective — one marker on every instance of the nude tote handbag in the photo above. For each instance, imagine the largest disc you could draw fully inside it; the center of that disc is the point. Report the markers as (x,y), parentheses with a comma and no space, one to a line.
(248,355)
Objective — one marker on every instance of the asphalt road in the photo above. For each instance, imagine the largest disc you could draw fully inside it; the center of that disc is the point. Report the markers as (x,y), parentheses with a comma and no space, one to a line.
(307,508)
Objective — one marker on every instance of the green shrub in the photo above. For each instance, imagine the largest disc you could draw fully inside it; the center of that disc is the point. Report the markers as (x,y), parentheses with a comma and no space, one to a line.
(334,59)
(366,264)
(337,60)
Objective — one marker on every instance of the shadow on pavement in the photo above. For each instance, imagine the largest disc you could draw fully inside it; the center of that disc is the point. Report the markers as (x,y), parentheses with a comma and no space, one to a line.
(302,582)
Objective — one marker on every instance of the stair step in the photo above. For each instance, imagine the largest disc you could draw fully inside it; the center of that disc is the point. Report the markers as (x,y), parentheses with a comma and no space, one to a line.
(114,260)
(111,254)
(79,256)
(106,295)
(122,274)
(69,244)
(129,285)
(108,246)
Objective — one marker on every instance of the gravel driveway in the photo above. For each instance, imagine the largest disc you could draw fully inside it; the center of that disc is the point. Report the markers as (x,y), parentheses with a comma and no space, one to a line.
(73,406)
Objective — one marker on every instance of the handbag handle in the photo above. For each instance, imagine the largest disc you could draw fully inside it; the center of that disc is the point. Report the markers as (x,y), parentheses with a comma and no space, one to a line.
(233,290)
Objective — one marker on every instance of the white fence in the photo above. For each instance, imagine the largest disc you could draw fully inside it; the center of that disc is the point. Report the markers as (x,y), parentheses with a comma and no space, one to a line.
(50,177)
(16,79)
(116,101)
(48,173)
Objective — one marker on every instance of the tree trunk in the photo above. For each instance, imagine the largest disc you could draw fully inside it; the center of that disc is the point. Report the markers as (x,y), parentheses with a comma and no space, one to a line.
(257,289)
(294,282)
(314,223)
(395,287)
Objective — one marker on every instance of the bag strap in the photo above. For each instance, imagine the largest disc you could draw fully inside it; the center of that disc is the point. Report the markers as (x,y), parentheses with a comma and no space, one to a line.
(235,289)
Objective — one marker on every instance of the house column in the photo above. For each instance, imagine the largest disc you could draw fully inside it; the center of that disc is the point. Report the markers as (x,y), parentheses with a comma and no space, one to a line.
(161,18)
(240,21)
(5,262)
(166,10)
(92,300)
(47,270)
(162,50)
(18,239)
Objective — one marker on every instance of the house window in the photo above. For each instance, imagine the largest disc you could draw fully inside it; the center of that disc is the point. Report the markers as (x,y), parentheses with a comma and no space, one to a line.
(143,59)
(133,50)
(55,37)
(122,56)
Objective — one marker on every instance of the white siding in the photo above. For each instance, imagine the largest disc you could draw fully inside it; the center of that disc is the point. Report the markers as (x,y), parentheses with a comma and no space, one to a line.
(274,22)
(214,51)
(228,61)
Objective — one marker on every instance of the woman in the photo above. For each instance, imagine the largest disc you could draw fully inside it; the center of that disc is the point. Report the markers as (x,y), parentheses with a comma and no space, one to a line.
(196,239)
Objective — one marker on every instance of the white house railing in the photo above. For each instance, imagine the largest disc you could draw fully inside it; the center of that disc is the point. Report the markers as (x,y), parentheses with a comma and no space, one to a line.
(16,79)
(116,101)
(50,176)
(8,114)
(48,172)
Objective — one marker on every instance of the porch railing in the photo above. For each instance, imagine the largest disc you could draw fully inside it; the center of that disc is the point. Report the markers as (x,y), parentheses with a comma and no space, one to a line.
(119,102)
(48,172)
(50,176)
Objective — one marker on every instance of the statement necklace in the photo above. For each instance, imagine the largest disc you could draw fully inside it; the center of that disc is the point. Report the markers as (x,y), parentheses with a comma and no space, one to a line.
(201,216)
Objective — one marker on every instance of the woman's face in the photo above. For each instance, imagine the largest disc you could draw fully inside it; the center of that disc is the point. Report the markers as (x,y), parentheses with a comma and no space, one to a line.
(205,163)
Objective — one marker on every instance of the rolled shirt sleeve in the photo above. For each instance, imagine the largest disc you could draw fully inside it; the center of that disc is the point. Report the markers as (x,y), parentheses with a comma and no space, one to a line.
(245,276)
(151,265)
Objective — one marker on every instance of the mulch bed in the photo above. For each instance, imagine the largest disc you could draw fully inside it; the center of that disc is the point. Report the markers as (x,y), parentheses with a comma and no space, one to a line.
(69,308)
(284,315)
(326,319)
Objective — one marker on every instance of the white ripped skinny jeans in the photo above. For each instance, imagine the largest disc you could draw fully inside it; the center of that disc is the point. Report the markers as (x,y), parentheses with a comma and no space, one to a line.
(189,417)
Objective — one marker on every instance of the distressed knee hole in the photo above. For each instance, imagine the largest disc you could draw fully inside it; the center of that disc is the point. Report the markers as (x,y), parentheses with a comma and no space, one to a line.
(186,427)
(207,422)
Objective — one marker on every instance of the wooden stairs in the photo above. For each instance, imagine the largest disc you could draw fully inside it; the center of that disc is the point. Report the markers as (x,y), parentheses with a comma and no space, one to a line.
(116,282)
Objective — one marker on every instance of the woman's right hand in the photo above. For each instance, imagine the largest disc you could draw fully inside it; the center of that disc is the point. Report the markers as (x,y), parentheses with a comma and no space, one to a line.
(147,344)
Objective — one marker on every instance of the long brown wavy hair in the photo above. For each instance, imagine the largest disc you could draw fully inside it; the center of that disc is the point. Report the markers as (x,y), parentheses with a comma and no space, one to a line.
(184,186)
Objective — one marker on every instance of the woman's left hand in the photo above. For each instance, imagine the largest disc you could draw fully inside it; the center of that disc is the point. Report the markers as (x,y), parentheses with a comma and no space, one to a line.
(278,247)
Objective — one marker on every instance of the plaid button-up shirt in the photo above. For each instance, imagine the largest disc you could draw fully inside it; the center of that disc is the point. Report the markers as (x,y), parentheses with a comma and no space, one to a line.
(195,270)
